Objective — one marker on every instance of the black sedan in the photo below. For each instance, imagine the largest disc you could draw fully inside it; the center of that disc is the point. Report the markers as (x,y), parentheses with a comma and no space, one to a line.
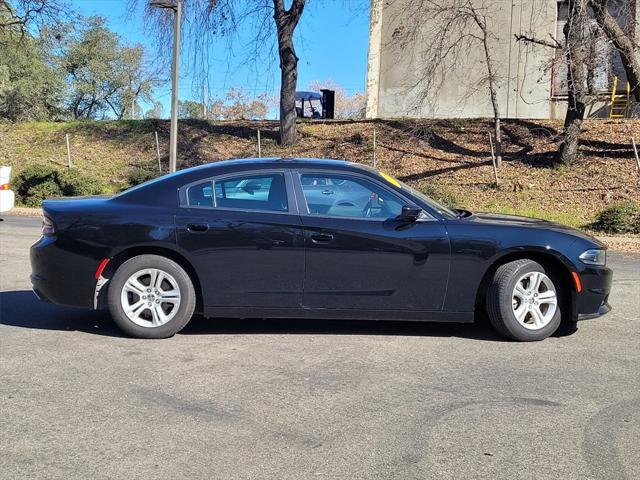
(303,238)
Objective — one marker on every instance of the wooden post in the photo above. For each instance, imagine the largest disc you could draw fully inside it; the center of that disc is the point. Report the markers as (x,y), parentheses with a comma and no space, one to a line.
(493,160)
(158,152)
(635,151)
(204,102)
(374,148)
(66,137)
(259,146)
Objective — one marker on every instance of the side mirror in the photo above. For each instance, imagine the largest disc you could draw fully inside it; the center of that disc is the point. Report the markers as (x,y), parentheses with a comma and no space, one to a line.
(410,213)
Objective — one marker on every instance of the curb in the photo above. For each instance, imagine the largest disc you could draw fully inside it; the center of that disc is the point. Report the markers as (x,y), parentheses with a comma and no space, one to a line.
(23,212)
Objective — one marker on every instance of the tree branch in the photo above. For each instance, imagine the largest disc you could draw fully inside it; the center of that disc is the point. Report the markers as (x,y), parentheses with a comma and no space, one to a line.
(538,41)
(624,43)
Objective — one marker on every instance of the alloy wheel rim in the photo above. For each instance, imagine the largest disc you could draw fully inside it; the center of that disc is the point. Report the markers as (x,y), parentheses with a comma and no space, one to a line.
(150,297)
(534,300)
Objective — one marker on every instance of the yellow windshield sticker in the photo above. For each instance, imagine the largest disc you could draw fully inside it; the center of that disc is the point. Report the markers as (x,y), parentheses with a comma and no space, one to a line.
(390,179)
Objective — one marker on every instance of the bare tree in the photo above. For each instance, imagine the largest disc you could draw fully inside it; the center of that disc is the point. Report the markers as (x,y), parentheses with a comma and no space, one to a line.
(623,41)
(286,22)
(455,28)
(582,56)
(579,52)
(25,14)
(577,34)
(239,105)
(485,38)
(268,20)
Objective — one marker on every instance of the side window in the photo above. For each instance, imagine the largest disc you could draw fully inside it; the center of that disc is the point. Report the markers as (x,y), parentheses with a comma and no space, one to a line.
(201,194)
(346,196)
(253,192)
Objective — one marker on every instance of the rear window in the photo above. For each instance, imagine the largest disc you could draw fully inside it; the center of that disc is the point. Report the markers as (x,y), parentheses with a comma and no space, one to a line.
(201,195)
(252,192)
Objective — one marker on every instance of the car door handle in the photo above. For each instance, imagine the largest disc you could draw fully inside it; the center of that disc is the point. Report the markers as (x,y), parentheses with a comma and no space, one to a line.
(327,192)
(321,238)
(197,227)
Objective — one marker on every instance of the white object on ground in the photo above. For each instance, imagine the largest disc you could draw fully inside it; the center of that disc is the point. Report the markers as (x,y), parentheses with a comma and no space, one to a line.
(7,197)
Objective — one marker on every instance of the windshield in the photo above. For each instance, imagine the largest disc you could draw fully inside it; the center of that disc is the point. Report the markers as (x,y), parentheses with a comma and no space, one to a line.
(447,212)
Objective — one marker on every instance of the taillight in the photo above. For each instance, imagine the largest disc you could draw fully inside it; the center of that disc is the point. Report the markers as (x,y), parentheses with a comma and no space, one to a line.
(47,227)
(6,186)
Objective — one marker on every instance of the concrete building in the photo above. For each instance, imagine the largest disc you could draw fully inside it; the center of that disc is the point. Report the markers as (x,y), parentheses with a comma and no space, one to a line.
(402,80)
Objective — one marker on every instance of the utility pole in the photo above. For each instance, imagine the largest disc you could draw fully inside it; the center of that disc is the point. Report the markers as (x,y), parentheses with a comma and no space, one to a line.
(173,135)
(173,140)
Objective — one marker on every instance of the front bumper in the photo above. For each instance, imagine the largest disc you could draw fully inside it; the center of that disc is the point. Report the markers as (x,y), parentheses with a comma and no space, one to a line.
(604,309)
(593,300)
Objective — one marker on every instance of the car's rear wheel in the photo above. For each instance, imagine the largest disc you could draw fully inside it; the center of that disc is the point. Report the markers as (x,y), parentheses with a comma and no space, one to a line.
(151,296)
(523,301)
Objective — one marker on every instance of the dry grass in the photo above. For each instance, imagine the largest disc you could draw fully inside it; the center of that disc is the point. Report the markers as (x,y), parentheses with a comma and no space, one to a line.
(450,157)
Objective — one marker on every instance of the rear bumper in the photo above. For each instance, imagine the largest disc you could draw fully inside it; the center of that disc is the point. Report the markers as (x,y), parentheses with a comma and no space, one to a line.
(60,276)
(39,295)
(593,300)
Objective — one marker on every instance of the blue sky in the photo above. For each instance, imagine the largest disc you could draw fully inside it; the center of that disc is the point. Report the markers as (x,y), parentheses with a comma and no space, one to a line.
(332,42)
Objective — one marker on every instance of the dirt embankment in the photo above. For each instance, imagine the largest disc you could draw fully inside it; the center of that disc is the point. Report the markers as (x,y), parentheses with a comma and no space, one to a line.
(449,159)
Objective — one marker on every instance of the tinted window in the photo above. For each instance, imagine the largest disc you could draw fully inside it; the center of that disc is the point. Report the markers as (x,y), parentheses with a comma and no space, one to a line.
(253,192)
(345,196)
(201,195)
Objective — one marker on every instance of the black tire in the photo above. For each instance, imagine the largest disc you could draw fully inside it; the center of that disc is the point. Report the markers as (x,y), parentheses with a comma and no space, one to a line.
(499,301)
(184,310)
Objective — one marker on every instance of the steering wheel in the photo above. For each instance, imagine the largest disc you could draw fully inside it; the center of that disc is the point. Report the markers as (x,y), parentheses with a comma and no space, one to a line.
(368,210)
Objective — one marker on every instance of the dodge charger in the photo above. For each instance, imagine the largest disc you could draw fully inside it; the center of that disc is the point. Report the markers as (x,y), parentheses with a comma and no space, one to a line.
(310,238)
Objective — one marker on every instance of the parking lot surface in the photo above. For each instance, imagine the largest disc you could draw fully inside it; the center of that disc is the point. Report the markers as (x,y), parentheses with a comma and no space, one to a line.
(301,399)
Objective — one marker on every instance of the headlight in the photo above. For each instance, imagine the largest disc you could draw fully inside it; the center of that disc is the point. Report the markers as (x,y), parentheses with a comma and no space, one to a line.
(594,257)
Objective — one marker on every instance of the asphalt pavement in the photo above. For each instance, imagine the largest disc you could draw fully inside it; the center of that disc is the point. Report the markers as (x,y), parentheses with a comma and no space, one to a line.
(301,399)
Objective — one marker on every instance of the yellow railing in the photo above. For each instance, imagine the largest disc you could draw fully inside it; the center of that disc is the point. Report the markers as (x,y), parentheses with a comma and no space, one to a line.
(619,102)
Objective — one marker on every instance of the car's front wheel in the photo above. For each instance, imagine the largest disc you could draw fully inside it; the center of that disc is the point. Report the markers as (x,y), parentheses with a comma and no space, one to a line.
(151,296)
(523,301)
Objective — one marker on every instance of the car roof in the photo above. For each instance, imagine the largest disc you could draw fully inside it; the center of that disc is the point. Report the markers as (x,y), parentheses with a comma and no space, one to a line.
(284,162)
(151,189)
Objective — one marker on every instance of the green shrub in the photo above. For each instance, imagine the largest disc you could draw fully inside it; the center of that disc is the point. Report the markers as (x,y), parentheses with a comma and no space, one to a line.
(39,182)
(620,218)
(140,175)
(73,183)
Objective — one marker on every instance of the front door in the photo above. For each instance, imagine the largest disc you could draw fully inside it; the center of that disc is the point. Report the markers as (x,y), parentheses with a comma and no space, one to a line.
(359,255)
(245,239)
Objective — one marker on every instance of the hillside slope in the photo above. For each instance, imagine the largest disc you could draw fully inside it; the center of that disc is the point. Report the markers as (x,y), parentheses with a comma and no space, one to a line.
(450,159)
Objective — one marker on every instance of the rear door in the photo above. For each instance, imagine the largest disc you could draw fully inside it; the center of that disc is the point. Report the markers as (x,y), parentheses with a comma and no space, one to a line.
(245,237)
(359,255)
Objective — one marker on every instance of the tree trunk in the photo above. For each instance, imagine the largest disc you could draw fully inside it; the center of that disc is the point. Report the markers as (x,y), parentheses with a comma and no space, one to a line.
(288,82)
(491,76)
(494,104)
(286,22)
(496,122)
(576,37)
(623,42)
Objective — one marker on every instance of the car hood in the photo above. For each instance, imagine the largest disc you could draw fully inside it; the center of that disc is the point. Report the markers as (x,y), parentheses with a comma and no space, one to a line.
(534,223)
